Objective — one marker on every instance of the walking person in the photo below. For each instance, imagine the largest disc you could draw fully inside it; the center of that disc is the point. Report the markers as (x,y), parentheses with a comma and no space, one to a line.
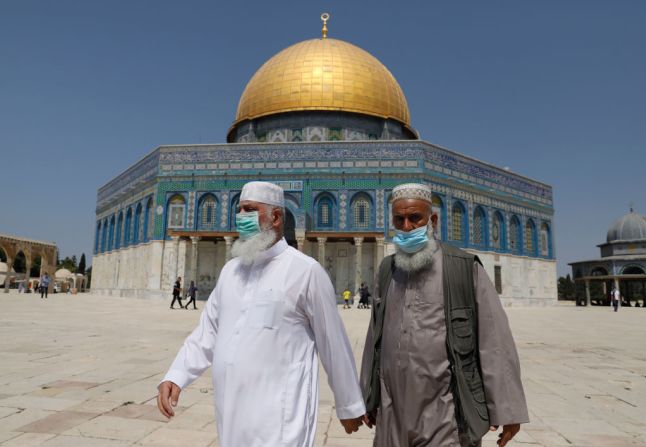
(270,318)
(616,298)
(177,291)
(192,291)
(364,297)
(346,298)
(440,366)
(44,285)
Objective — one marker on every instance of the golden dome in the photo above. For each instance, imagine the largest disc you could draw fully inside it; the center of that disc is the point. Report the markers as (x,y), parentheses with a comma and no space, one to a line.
(323,74)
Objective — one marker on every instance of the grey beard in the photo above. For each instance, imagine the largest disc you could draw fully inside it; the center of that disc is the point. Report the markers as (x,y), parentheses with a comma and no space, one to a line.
(248,250)
(414,262)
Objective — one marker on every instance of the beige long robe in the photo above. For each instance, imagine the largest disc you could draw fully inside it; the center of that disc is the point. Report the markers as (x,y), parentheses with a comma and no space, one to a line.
(416,403)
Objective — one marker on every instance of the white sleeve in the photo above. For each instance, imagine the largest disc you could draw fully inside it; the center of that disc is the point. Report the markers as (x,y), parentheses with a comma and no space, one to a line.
(196,355)
(332,345)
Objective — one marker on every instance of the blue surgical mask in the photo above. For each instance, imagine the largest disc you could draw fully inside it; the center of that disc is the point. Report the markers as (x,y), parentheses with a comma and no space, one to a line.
(411,241)
(247,224)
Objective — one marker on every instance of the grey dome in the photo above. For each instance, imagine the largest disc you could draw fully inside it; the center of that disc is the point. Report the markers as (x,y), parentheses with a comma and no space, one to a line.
(630,227)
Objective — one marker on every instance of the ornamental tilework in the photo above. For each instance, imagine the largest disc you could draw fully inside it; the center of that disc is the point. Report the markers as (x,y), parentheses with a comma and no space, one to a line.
(343,202)
(306,169)
(191,209)
(379,199)
(224,214)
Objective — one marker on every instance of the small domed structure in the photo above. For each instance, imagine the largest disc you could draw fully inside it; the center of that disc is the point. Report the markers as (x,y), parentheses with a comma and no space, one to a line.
(630,227)
(63,274)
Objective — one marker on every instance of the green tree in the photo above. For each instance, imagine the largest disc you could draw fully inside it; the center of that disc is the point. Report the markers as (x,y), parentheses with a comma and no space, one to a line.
(68,263)
(88,273)
(566,288)
(35,268)
(81,267)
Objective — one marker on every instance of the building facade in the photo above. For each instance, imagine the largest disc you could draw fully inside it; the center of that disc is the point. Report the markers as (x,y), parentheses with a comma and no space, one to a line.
(328,123)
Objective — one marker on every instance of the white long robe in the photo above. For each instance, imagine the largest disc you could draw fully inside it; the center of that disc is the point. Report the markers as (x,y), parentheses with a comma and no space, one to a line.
(261,330)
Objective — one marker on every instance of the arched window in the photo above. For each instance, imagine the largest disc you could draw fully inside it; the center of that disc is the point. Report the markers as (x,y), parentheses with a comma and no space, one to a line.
(111,235)
(135,229)
(97,238)
(233,211)
(438,209)
(104,237)
(530,238)
(148,220)
(498,231)
(479,226)
(545,239)
(458,219)
(515,235)
(207,212)
(176,206)
(360,209)
(325,212)
(127,229)
(119,229)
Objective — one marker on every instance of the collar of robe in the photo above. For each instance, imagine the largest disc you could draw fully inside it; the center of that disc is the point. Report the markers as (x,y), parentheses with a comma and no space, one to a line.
(271,252)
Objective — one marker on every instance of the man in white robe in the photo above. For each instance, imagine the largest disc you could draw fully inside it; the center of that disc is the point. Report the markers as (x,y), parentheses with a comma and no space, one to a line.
(272,310)
(416,406)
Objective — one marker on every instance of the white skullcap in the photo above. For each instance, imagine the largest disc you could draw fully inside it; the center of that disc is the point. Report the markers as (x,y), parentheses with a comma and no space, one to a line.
(263,192)
(416,191)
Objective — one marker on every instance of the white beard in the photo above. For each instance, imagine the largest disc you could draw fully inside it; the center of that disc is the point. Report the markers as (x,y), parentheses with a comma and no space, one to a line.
(414,262)
(248,250)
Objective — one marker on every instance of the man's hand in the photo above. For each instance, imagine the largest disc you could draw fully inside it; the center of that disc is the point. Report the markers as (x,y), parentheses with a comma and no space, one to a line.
(508,432)
(351,425)
(167,398)
(370,419)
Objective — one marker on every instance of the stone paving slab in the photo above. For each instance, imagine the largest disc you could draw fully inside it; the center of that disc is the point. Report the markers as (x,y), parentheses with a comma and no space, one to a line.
(82,371)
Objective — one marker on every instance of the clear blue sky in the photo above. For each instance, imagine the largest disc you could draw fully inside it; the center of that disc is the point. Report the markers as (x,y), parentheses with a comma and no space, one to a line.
(553,89)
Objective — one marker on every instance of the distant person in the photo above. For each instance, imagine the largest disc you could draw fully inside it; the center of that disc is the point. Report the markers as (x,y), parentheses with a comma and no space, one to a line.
(177,291)
(616,298)
(364,297)
(44,285)
(346,298)
(192,291)
(21,286)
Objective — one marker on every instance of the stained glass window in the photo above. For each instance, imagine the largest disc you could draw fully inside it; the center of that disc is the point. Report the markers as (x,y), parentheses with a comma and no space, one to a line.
(545,250)
(176,212)
(478,226)
(208,211)
(361,212)
(324,212)
(458,222)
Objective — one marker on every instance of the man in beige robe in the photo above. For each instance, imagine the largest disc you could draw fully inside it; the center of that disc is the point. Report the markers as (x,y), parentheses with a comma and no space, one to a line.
(417,405)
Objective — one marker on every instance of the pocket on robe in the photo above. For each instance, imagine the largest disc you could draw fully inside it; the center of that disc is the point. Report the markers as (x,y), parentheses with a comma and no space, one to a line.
(266,314)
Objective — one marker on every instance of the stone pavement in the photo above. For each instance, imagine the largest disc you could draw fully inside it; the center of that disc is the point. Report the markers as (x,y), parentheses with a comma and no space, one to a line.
(82,371)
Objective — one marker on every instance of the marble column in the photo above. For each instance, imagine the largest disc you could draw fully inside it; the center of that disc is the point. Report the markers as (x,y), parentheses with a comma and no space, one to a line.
(6,278)
(175,259)
(194,256)
(27,273)
(358,261)
(321,257)
(300,239)
(587,292)
(380,252)
(228,240)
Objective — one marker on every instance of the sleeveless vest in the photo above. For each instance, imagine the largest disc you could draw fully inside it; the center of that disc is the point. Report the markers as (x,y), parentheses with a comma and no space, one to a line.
(461,316)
